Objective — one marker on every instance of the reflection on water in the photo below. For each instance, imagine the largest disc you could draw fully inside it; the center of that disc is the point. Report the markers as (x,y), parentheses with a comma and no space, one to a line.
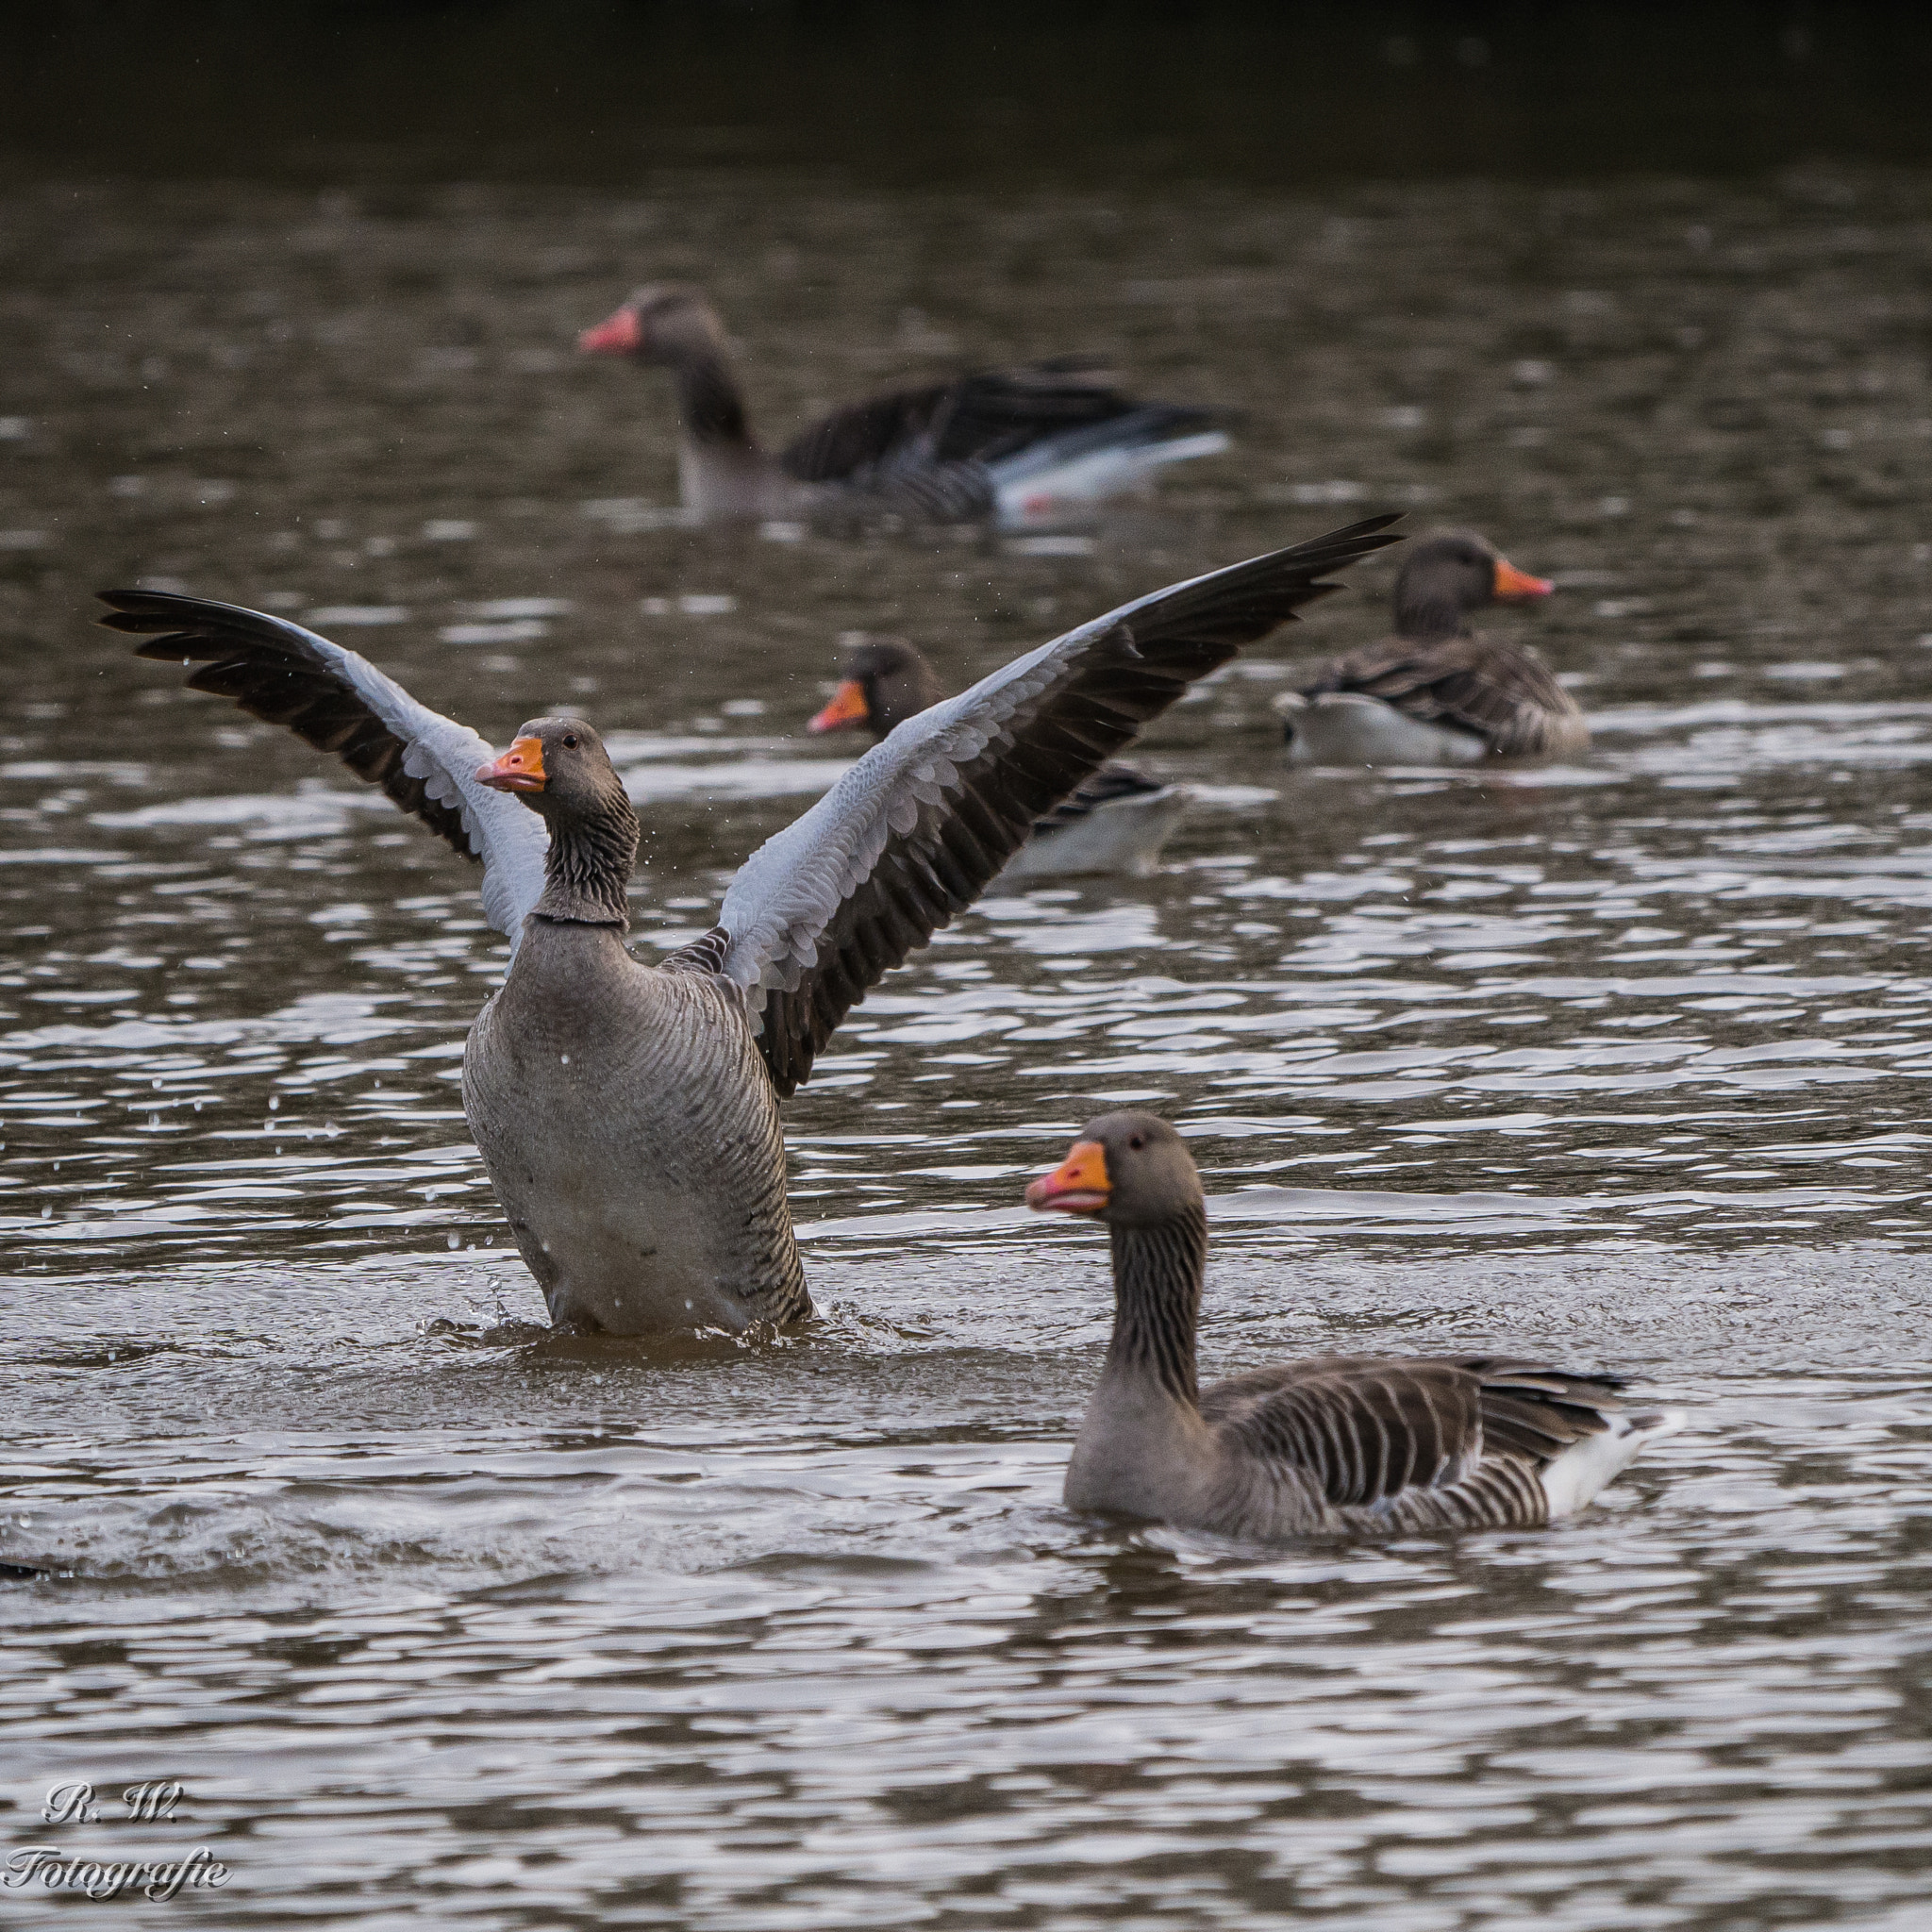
(1622,1060)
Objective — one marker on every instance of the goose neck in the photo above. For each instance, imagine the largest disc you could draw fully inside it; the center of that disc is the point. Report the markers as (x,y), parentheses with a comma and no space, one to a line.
(587,871)
(1156,1291)
(1424,618)
(711,404)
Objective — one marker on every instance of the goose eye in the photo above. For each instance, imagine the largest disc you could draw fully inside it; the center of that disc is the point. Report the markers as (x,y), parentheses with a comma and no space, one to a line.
(570,738)
(1137,1140)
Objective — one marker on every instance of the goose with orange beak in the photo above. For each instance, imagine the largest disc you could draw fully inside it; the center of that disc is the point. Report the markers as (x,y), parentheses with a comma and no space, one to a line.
(1438,693)
(626,1107)
(1354,1446)
(1012,445)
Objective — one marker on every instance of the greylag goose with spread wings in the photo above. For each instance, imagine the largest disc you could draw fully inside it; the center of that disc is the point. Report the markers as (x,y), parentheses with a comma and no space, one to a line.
(1436,693)
(628,1114)
(1115,821)
(1350,1446)
(1007,444)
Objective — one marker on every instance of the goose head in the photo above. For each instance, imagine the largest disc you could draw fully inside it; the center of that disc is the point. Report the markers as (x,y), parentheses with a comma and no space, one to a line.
(1130,1170)
(558,768)
(1446,576)
(886,682)
(662,321)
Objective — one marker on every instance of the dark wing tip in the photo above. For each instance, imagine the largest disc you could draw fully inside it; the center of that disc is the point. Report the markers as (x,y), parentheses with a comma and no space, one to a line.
(133,611)
(1357,539)
(146,613)
(1336,550)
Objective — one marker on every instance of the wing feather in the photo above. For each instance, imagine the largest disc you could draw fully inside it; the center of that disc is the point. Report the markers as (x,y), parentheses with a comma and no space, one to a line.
(338,701)
(1367,1430)
(1502,691)
(972,418)
(918,827)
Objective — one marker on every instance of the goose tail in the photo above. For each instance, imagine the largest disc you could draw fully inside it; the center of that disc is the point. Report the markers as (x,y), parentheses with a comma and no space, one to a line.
(1101,460)
(1571,1478)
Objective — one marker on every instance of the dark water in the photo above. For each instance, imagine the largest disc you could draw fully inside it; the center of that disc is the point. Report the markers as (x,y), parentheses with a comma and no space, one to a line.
(1622,1060)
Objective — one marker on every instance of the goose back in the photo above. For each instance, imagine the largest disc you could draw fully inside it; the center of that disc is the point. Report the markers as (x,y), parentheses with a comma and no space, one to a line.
(1384,1444)
(1502,694)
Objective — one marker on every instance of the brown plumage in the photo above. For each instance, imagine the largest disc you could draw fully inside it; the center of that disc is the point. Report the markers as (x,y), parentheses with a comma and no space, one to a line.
(1479,696)
(1356,1446)
(971,446)
(627,1112)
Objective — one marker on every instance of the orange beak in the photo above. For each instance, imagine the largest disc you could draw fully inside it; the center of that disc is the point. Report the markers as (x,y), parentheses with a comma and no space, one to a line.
(1078,1185)
(848,706)
(520,769)
(618,335)
(1512,585)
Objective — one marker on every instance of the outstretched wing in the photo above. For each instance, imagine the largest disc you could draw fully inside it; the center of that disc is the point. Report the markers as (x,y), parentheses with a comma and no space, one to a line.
(914,831)
(338,701)
(978,417)
(1502,691)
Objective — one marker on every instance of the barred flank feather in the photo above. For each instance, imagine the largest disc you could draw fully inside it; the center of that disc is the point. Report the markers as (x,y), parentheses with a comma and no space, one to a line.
(1348,1445)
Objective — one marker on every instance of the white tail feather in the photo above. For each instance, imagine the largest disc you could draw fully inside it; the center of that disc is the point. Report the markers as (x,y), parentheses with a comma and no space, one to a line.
(1586,1467)
(1026,491)
(1346,729)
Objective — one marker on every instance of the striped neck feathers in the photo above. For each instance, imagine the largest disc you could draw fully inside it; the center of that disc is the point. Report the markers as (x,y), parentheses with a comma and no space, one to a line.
(587,871)
(710,405)
(1156,1300)
(1427,618)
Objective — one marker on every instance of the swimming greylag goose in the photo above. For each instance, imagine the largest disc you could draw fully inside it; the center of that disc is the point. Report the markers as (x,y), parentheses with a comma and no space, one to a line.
(1011,445)
(1436,693)
(1353,1446)
(1116,821)
(622,1109)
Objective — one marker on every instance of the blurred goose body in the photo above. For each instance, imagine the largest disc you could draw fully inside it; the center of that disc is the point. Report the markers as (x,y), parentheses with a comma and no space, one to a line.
(1116,821)
(1347,1445)
(1013,445)
(1436,693)
(627,1112)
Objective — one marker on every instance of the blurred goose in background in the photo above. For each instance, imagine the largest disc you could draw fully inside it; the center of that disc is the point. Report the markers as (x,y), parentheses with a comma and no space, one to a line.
(1436,693)
(1009,444)
(627,1113)
(1115,821)
(1351,1445)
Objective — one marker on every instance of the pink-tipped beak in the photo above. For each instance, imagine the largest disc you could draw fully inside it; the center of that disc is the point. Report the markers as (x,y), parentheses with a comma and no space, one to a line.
(520,769)
(1079,1185)
(616,335)
(1512,584)
(848,706)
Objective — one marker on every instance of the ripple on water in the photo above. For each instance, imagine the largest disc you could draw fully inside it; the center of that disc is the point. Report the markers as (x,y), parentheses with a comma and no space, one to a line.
(1621,1061)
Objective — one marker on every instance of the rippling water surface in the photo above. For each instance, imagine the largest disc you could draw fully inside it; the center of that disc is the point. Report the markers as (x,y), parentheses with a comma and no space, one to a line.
(1622,1060)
